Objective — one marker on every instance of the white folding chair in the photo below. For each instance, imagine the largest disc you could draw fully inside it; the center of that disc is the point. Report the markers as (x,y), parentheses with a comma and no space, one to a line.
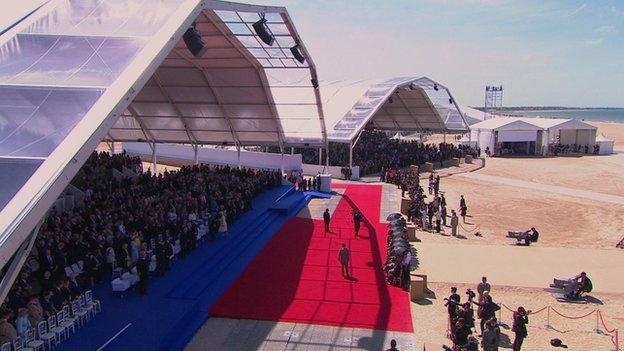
(78,313)
(33,342)
(83,305)
(90,301)
(54,327)
(45,335)
(68,322)
(18,345)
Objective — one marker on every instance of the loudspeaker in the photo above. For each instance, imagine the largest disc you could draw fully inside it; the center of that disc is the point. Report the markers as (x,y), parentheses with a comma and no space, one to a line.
(314,82)
(263,32)
(194,43)
(295,51)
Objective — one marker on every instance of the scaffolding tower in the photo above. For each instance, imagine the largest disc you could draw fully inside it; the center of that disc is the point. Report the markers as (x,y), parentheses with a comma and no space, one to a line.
(493,100)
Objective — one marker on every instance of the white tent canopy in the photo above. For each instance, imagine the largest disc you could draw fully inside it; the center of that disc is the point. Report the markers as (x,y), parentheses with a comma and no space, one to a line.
(605,144)
(542,131)
(407,104)
(73,70)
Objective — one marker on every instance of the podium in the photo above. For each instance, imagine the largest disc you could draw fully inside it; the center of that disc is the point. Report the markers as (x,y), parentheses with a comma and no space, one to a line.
(325,183)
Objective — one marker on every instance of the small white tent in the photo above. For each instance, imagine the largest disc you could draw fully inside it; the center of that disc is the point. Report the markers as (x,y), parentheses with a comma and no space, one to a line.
(605,144)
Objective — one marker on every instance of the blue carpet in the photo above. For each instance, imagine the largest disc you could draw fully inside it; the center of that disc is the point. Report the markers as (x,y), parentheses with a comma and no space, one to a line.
(176,305)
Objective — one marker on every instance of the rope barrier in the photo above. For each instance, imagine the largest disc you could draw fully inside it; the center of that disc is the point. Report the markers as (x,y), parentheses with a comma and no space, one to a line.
(536,312)
(576,317)
(613,333)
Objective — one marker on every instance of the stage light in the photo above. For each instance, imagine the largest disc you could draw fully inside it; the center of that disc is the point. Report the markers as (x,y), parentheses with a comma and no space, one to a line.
(314,82)
(411,86)
(390,100)
(435,87)
(194,43)
(451,101)
(297,54)
(263,31)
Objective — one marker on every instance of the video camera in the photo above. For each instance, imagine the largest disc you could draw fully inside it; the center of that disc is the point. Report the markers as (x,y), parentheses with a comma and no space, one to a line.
(471,294)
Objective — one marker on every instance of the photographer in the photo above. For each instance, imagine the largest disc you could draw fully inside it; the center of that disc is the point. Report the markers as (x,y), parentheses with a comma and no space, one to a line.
(520,321)
(488,310)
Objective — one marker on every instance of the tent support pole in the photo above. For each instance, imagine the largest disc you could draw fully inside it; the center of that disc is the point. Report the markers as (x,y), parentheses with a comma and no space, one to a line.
(238,154)
(154,159)
(351,154)
(320,156)
(282,162)
(292,150)
(112,147)
(445,137)
(21,255)
(195,154)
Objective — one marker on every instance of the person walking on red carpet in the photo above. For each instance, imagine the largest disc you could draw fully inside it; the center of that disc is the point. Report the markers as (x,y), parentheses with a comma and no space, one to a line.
(326,218)
(343,257)
(357,221)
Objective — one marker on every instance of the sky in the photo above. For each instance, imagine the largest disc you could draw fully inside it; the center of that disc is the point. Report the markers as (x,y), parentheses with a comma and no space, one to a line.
(557,52)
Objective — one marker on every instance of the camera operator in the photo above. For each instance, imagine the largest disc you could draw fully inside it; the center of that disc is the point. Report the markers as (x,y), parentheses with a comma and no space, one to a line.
(488,310)
(520,321)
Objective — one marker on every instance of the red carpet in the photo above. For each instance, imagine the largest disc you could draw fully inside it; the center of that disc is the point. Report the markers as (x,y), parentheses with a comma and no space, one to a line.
(297,278)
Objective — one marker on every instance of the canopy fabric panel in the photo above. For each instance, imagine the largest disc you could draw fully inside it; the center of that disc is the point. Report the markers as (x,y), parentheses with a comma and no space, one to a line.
(241,91)
(408,104)
(73,69)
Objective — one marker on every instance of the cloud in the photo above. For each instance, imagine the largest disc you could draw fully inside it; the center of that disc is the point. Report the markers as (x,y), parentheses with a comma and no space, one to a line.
(575,11)
(595,41)
(605,30)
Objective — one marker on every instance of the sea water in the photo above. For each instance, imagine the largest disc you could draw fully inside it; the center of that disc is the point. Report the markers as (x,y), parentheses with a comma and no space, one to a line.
(611,115)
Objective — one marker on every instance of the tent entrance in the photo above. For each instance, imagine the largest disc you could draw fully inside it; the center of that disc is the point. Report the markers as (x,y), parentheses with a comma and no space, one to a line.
(517,148)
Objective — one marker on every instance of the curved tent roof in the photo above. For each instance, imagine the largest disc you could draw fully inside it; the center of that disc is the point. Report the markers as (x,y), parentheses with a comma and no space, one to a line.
(72,68)
(531,123)
(408,104)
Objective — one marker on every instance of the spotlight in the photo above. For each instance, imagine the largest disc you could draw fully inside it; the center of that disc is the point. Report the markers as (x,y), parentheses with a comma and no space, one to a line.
(435,87)
(451,101)
(297,54)
(194,43)
(263,31)
(314,82)
(411,86)
(390,100)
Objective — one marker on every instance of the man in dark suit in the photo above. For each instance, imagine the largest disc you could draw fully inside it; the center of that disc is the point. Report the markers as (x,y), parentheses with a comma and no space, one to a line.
(143,270)
(357,221)
(326,219)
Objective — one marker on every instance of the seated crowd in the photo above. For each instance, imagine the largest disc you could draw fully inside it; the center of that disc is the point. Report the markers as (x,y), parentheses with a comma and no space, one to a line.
(118,222)
(376,152)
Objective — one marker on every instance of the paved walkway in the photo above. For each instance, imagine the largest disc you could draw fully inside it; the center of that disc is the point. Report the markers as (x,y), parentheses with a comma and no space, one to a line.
(584,194)
(244,335)
(532,266)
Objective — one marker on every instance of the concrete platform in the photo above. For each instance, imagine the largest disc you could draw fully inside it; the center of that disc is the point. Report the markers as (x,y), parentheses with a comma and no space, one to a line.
(239,334)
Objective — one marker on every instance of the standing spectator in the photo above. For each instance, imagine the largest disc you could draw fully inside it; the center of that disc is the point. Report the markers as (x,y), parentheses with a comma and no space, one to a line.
(393,347)
(143,271)
(451,304)
(488,310)
(463,208)
(520,320)
(454,223)
(444,214)
(326,219)
(7,331)
(344,257)
(22,323)
(438,216)
(223,227)
(483,287)
(491,338)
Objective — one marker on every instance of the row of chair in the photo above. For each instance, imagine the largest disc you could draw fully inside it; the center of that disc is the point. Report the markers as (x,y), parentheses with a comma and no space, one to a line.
(58,326)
